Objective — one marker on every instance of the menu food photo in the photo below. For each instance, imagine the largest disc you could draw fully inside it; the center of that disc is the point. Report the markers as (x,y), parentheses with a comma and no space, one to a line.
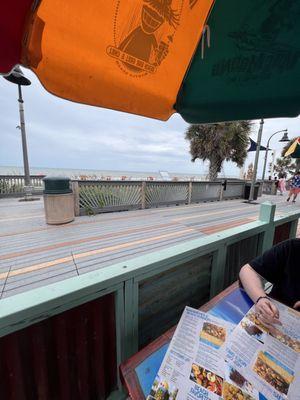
(210,358)
(268,357)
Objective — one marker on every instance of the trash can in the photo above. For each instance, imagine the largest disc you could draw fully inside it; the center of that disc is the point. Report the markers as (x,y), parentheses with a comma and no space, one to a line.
(58,200)
(247,191)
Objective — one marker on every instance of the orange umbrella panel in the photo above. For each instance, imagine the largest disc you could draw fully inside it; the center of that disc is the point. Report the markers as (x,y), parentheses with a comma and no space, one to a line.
(124,55)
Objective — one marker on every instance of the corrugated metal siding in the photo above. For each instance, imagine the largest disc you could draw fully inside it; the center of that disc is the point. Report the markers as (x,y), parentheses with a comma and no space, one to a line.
(68,356)
(163,297)
(282,232)
(239,254)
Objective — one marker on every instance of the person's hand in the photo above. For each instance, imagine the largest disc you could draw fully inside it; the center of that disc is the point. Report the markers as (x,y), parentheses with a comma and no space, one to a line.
(267,312)
(297,305)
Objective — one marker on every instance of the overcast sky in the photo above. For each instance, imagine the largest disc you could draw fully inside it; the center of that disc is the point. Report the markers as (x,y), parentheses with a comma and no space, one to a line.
(62,134)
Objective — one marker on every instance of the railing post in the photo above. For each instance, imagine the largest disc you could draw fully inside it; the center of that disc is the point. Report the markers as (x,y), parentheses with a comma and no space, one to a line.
(75,188)
(143,195)
(190,192)
(218,270)
(131,294)
(221,192)
(267,214)
(293,229)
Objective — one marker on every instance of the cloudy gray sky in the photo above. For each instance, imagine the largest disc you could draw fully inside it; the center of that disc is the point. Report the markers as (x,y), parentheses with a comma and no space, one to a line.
(62,134)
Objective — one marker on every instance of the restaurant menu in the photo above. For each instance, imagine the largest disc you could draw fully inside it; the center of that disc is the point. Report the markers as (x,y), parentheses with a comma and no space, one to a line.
(193,367)
(267,359)
(209,358)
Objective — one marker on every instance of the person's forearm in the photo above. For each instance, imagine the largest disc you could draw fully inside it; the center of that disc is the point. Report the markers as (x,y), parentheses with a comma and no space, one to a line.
(251,282)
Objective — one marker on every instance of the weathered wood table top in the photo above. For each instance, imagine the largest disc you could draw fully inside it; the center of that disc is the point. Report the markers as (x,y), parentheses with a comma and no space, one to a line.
(34,254)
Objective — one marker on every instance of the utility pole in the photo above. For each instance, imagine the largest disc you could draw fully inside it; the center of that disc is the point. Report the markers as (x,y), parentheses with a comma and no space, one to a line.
(17,77)
(23,134)
(251,195)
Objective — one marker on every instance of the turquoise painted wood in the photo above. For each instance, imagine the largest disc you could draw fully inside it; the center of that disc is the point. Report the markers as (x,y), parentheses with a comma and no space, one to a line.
(26,308)
(267,214)
(132,282)
(162,297)
(239,254)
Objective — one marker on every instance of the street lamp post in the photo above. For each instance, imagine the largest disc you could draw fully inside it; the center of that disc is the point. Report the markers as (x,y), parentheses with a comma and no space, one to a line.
(251,194)
(17,77)
(283,139)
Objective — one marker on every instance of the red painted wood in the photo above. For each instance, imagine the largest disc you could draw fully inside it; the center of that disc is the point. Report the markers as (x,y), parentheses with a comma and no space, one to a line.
(282,232)
(66,357)
(39,361)
(82,355)
(97,362)
(13,368)
(61,349)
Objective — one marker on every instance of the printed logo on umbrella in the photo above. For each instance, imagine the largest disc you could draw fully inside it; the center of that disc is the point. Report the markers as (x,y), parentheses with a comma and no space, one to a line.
(142,38)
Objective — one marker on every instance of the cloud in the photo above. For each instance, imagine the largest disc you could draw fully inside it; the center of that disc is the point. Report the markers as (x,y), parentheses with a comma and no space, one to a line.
(62,134)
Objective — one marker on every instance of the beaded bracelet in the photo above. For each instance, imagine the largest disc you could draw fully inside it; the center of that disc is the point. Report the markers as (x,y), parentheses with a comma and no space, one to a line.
(261,297)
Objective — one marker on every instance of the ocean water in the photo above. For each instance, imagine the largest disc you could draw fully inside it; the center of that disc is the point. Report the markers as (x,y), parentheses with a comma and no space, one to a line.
(98,174)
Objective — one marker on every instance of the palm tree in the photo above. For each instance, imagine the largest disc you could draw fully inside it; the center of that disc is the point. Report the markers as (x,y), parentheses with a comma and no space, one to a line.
(284,166)
(219,142)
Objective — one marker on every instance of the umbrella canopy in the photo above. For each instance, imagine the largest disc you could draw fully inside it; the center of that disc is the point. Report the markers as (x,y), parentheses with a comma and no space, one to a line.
(147,56)
(294,150)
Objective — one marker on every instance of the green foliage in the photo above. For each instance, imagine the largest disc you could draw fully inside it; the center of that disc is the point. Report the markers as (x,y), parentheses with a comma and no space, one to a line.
(284,166)
(219,142)
(89,210)
(7,186)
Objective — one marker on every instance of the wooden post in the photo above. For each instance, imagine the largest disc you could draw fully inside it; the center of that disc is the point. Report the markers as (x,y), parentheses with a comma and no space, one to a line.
(293,229)
(218,270)
(75,188)
(143,195)
(267,214)
(190,192)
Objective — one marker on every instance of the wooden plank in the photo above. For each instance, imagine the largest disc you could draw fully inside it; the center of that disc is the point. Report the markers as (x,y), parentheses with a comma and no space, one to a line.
(163,297)
(39,244)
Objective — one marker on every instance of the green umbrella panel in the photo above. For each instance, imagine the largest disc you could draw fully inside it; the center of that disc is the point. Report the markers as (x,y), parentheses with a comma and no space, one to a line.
(252,68)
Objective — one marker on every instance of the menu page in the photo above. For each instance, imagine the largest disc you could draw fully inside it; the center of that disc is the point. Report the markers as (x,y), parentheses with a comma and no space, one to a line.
(193,367)
(266,358)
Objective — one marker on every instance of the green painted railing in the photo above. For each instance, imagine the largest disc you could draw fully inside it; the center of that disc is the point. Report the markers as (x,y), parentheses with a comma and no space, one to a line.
(13,185)
(146,287)
(93,197)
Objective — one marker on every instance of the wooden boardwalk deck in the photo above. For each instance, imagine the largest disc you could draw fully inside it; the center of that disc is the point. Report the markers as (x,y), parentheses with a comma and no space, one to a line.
(34,254)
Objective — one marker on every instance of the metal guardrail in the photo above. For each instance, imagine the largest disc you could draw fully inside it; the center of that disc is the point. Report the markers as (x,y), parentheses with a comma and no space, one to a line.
(138,298)
(13,185)
(93,197)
